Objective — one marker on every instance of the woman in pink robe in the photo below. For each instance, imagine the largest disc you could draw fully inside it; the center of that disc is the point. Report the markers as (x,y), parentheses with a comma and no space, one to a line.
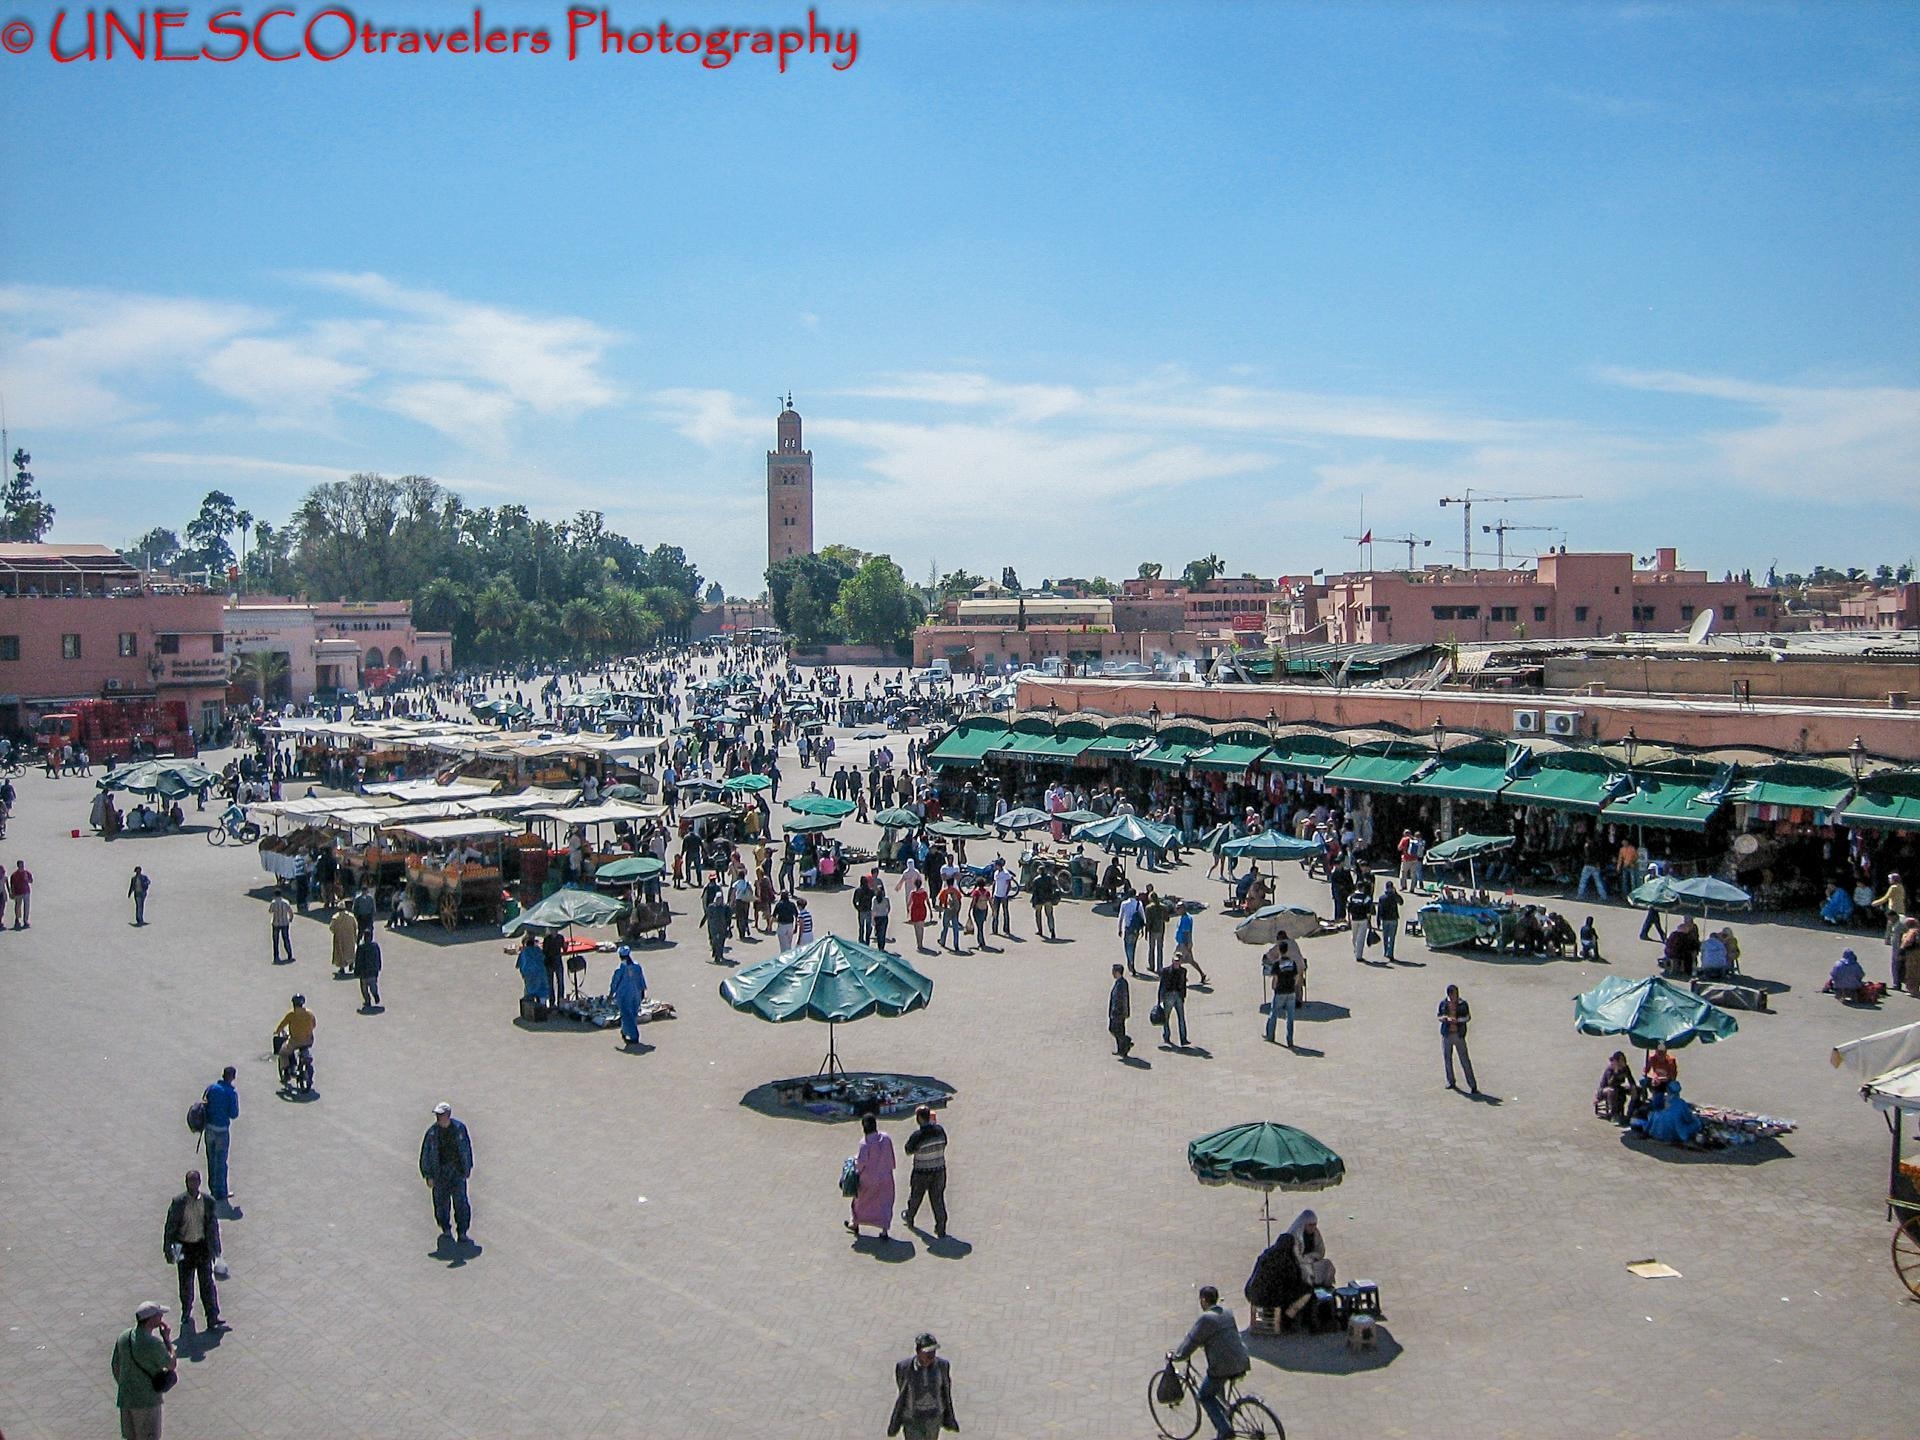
(873,1202)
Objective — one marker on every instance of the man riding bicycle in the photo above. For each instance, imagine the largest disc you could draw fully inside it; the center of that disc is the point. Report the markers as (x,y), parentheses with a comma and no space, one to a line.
(298,1026)
(1218,1333)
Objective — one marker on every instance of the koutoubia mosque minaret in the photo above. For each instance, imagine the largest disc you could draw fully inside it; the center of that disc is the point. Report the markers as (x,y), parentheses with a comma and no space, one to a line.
(789,491)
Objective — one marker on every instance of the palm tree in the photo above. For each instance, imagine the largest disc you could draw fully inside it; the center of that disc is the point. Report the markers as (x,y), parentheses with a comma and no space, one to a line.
(584,624)
(1150,569)
(260,670)
(244,520)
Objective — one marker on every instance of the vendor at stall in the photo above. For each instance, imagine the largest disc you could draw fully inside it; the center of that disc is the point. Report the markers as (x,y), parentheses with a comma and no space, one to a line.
(1671,1120)
(1311,1248)
(1847,977)
(1661,1068)
(1276,1284)
(1614,1098)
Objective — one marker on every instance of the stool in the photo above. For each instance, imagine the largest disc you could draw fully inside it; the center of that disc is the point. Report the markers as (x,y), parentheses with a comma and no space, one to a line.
(1361,1334)
(1361,1297)
(1265,1321)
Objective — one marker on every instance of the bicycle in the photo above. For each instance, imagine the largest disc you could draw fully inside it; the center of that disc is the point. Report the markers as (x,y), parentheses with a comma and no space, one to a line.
(1247,1414)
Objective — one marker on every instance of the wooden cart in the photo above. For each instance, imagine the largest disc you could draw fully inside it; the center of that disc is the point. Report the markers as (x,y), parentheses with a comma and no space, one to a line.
(459,892)
(1896,1095)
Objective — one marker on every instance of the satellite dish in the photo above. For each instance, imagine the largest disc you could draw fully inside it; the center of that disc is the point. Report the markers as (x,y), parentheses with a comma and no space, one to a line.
(1701,628)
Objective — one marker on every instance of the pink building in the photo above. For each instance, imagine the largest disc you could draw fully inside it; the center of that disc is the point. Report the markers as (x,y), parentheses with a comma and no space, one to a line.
(334,645)
(1565,596)
(77,622)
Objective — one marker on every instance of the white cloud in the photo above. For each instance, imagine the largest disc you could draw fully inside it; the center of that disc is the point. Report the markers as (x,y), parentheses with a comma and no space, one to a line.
(711,418)
(281,378)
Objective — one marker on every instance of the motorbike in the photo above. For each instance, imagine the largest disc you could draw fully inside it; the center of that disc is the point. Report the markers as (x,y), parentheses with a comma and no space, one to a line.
(296,1069)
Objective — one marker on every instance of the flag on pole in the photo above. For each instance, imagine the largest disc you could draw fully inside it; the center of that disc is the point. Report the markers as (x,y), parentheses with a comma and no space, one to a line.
(1367,539)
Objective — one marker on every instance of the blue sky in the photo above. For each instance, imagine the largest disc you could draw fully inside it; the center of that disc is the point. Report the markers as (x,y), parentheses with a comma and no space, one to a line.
(1062,287)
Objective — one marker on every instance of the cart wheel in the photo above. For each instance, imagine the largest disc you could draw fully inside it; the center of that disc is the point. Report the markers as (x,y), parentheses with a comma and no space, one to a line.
(1906,1254)
(450,912)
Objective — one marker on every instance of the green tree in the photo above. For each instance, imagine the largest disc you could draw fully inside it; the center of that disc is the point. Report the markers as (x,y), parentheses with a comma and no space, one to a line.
(957,585)
(716,594)
(807,617)
(1150,569)
(260,671)
(498,607)
(824,573)
(443,605)
(1101,585)
(667,566)
(539,635)
(585,625)
(158,549)
(207,547)
(1199,572)
(25,518)
(876,607)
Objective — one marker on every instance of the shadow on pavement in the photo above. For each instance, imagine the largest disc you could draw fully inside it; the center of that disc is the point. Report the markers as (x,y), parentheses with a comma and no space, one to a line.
(1324,1354)
(1758,1153)
(195,1345)
(1314,1011)
(788,1100)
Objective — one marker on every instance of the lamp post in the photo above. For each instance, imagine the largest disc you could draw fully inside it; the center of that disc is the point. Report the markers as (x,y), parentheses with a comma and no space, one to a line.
(1631,745)
(1273,721)
(1439,735)
(1857,758)
(1153,718)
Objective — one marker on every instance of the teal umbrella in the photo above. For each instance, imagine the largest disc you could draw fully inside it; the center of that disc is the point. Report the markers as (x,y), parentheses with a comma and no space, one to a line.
(638,867)
(1272,845)
(169,779)
(1127,830)
(809,824)
(828,979)
(571,905)
(897,819)
(1077,817)
(1266,1157)
(1468,848)
(1650,1012)
(959,830)
(1212,840)
(1703,890)
(748,784)
(1023,818)
(811,804)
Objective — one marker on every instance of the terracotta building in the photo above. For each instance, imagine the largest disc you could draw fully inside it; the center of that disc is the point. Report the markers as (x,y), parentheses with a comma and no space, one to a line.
(334,645)
(789,491)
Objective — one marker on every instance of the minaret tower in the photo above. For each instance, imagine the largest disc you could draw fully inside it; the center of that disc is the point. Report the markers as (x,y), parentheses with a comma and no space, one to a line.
(789,491)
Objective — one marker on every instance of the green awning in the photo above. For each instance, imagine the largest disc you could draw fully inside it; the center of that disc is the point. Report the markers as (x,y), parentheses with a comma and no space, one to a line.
(1793,785)
(1567,787)
(1113,745)
(1463,777)
(1885,802)
(1226,757)
(1305,754)
(1379,770)
(968,744)
(1043,749)
(1166,755)
(1664,804)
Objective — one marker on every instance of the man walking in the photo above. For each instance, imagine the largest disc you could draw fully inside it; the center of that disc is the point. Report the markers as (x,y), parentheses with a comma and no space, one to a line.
(718,914)
(1119,1007)
(1002,897)
(366,908)
(1133,919)
(137,889)
(143,1361)
(21,884)
(1173,1001)
(928,1147)
(1388,907)
(924,1405)
(366,969)
(1153,920)
(1590,871)
(627,989)
(280,922)
(446,1162)
(223,1108)
(192,1242)
(1454,1016)
(1043,892)
(1283,971)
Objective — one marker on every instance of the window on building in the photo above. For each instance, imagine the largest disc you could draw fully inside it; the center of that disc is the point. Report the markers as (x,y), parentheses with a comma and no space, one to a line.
(1579,612)
(1443,612)
(167,644)
(69,647)
(1507,613)
(1728,612)
(1539,612)
(1686,612)
(9,647)
(1643,614)
(1760,612)
(219,644)
(1381,612)
(1466,612)
(129,644)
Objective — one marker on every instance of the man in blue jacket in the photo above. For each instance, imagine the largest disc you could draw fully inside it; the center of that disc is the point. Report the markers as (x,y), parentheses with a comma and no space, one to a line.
(446,1162)
(627,990)
(223,1108)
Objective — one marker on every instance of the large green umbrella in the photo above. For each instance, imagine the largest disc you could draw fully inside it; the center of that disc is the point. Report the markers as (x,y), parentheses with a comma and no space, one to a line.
(1077,817)
(1024,817)
(811,804)
(899,818)
(1650,1012)
(959,830)
(1703,890)
(1272,845)
(748,784)
(1266,1157)
(809,824)
(1127,830)
(169,779)
(1468,848)
(571,905)
(828,979)
(637,867)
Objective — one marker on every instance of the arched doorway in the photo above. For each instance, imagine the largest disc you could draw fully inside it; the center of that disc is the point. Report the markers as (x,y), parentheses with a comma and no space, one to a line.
(375,660)
(397,658)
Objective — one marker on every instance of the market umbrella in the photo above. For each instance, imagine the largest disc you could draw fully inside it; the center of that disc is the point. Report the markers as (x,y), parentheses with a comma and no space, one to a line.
(637,867)
(1127,830)
(624,792)
(1211,840)
(1266,1157)
(1272,845)
(748,784)
(959,830)
(1468,848)
(570,905)
(169,779)
(1023,818)
(1650,1012)
(1077,817)
(898,818)
(704,810)
(809,824)
(1265,926)
(1703,890)
(811,804)
(828,979)
(705,787)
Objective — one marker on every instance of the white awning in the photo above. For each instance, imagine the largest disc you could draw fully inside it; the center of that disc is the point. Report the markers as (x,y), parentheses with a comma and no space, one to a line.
(1878,1053)
(415,790)
(606,812)
(468,829)
(1895,1090)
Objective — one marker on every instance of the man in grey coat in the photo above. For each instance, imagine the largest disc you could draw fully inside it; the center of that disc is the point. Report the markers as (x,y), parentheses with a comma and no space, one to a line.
(192,1243)
(924,1406)
(1218,1333)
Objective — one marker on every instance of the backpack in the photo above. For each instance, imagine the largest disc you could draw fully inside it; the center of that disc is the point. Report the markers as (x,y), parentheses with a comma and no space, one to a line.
(197,1116)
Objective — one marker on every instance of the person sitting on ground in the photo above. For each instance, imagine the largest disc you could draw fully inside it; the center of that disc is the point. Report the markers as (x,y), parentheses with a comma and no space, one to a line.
(1727,939)
(1681,950)
(1846,978)
(1672,1120)
(1589,940)
(1838,909)
(1276,1284)
(1311,1248)
(1617,1087)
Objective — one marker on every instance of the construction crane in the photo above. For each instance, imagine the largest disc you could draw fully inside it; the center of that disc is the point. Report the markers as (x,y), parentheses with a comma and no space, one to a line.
(1499,530)
(1410,541)
(1465,501)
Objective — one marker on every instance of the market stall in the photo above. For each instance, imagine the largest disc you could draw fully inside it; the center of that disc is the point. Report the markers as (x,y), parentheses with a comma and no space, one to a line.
(454,869)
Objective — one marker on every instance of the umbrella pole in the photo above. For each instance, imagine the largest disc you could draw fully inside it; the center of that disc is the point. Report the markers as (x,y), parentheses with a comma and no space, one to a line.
(831,1065)
(1266,1209)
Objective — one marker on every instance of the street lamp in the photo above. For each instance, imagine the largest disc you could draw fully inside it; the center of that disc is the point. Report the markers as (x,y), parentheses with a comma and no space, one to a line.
(1439,735)
(1631,745)
(1273,721)
(1857,757)
(1153,717)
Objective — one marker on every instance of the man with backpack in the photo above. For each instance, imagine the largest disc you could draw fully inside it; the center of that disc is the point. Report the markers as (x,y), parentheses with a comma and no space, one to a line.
(219,1107)
(1283,966)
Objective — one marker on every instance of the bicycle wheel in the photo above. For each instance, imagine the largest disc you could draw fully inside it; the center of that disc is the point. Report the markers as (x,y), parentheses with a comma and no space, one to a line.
(1180,1420)
(1251,1417)
(217,835)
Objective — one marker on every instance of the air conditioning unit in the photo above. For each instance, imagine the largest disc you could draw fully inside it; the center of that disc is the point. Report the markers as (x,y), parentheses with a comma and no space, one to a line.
(1526,722)
(113,685)
(1563,723)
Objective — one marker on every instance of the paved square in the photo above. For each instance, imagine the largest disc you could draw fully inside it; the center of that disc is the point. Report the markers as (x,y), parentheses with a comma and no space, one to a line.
(656,1259)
